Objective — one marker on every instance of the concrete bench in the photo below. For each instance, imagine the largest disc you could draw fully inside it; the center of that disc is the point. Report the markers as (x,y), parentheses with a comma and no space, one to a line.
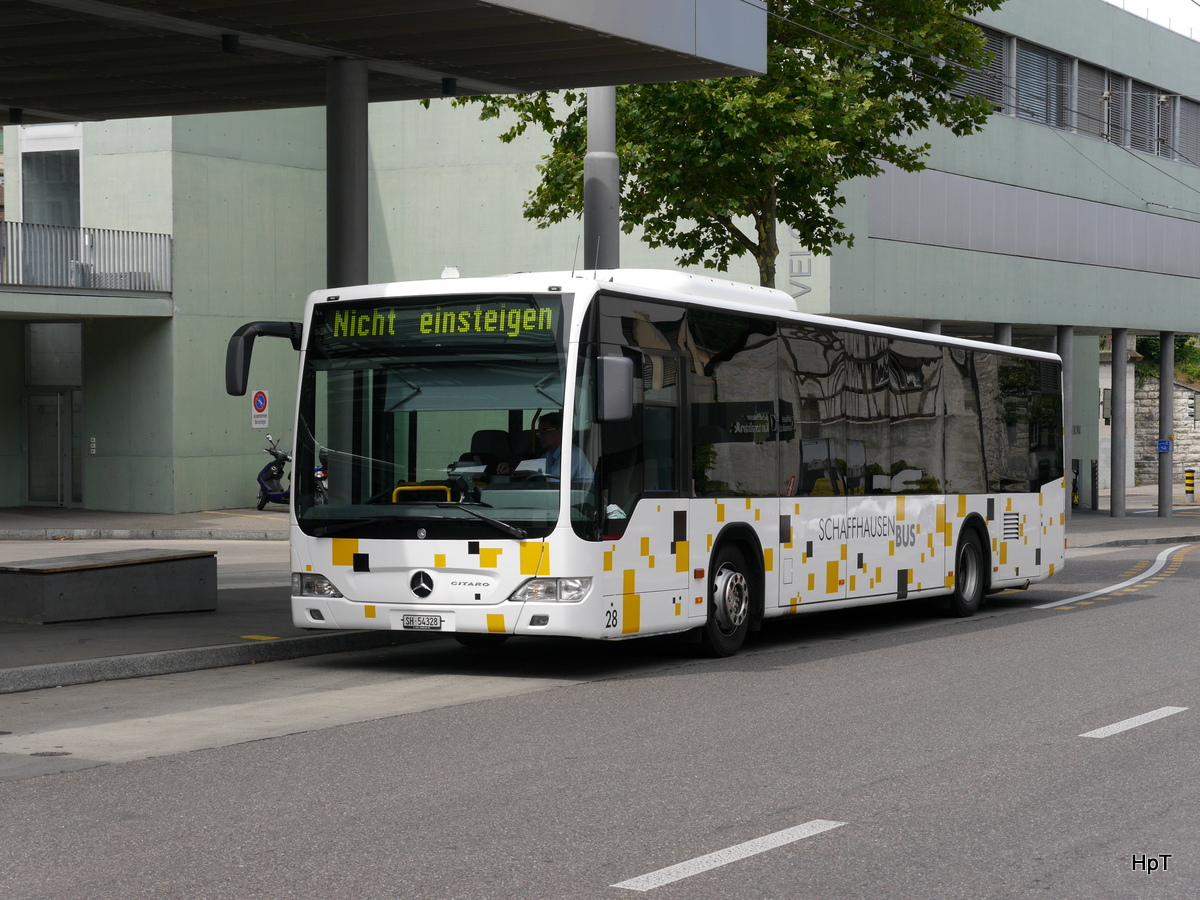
(108,585)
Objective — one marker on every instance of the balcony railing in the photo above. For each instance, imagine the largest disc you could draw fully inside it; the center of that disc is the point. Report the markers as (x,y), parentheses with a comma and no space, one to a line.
(60,256)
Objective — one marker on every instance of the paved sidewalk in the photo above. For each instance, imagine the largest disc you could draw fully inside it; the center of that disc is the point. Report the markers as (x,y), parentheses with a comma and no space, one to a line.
(252,622)
(33,523)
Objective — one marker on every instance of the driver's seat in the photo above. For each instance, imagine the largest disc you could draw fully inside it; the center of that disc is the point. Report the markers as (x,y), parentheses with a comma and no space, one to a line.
(488,447)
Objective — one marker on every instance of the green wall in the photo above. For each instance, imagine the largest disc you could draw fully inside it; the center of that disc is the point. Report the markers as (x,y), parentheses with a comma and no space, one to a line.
(128,377)
(445,191)
(249,227)
(125,175)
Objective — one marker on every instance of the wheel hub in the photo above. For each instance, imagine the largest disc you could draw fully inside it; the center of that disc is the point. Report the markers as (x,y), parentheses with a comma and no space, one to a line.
(731,598)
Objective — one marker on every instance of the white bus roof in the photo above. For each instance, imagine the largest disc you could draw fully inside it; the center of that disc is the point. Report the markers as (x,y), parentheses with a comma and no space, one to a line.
(705,289)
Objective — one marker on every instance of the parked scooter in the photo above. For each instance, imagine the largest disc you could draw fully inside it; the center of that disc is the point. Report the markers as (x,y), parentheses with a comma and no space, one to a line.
(270,479)
(321,478)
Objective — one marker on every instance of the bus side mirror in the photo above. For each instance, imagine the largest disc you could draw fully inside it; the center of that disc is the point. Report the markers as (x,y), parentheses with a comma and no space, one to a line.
(615,403)
(241,347)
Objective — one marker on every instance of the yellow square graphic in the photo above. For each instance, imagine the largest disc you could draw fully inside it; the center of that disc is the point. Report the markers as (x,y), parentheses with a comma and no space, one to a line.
(535,558)
(344,550)
(831,577)
(682,556)
(631,614)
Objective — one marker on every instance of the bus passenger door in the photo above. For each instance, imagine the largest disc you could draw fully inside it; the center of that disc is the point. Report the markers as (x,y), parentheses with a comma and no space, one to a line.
(639,475)
(812,472)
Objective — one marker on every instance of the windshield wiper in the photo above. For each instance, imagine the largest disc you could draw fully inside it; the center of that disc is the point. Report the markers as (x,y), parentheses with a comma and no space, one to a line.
(512,530)
(326,530)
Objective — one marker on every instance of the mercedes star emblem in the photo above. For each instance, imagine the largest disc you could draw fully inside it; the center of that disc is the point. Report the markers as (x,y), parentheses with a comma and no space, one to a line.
(421,584)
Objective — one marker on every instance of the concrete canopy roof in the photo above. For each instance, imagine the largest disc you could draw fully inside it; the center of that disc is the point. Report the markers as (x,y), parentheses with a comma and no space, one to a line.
(76,60)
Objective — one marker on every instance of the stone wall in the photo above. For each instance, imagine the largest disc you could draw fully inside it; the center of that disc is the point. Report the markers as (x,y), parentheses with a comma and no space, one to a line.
(1187,432)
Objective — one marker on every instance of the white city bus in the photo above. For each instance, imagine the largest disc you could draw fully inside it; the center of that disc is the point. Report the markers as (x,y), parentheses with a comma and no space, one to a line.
(721,459)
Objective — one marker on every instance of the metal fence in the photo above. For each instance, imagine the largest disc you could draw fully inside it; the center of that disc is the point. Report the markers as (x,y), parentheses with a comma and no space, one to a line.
(87,258)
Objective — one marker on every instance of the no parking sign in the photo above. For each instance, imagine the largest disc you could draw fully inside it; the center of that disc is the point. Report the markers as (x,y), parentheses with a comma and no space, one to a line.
(258,411)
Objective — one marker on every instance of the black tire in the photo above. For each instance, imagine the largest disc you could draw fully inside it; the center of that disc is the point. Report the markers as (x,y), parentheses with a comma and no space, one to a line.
(970,583)
(480,641)
(262,499)
(730,602)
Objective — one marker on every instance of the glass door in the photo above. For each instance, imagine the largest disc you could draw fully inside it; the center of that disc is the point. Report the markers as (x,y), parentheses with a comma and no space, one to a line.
(53,414)
(54,447)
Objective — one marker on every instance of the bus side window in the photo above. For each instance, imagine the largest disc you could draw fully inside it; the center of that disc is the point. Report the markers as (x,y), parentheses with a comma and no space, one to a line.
(812,365)
(917,433)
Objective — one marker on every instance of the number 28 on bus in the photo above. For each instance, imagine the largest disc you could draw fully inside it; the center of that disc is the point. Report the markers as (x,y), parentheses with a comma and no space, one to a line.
(644,452)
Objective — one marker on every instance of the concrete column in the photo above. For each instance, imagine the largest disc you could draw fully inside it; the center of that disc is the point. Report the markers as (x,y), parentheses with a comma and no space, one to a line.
(931,326)
(1066,350)
(1120,422)
(1166,422)
(601,183)
(346,172)
(1002,334)
(346,158)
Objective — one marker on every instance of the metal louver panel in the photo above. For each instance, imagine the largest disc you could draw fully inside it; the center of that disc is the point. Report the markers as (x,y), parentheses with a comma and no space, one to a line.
(1012,526)
(1049,378)
(989,81)
(1187,135)
(1090,103)
(1042,85)
(1143,105)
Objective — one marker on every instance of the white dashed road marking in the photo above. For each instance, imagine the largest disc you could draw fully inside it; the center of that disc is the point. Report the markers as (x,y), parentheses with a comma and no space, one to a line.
(729,854)
(1118,727)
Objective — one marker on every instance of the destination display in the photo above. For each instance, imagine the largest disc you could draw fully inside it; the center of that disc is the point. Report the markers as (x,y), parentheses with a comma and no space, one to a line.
(522,319)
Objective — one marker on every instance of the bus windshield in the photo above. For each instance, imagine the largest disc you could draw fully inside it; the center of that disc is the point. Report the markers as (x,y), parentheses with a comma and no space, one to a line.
(420,417)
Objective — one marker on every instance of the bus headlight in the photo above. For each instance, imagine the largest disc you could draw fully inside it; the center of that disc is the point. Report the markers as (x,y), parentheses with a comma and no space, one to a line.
(552,590)
(306,584)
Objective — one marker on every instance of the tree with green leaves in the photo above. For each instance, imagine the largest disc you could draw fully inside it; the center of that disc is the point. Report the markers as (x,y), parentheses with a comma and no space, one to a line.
(711,168)
(1187,356)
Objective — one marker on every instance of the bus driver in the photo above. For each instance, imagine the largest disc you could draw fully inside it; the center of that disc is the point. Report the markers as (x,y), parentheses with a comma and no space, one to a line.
(549,435)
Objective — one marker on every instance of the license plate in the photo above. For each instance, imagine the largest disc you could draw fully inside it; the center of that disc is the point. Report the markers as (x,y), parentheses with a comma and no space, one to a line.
(421,623)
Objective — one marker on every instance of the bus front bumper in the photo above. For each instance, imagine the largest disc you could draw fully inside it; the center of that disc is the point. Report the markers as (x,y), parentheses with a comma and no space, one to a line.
(563,619)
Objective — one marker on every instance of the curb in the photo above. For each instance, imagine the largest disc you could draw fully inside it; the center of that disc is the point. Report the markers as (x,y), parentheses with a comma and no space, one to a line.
(136,534)
(1140,542)
(170,662)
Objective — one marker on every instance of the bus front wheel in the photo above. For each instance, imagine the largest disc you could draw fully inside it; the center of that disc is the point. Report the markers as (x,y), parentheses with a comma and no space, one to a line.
(968,576)
(729,599)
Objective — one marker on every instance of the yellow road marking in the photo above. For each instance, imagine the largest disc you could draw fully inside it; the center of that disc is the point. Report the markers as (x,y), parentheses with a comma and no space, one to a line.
(275,517)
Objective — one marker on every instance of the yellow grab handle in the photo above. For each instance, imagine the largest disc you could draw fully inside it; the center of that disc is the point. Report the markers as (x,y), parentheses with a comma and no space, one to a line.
(421,487)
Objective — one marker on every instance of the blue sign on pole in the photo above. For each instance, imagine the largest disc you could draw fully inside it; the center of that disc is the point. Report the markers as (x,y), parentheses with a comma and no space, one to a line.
(1164,446)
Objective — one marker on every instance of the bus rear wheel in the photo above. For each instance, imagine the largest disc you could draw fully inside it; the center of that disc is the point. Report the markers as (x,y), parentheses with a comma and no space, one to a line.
(729,602)
(968,576)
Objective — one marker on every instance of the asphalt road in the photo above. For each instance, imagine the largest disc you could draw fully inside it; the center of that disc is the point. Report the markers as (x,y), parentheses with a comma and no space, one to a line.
(887,752)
